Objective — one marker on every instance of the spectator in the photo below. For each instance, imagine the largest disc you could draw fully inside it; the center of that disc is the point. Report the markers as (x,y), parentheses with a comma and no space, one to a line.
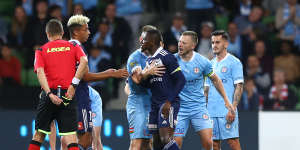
(203,10)
(100,60)
(121,33)
(245,7)
(103,38)
(250,97)
(55,11)
(261,78)
(132,11)
(288,20)
(36,26)
(265,59)
(171,37)
(18,26)
(238,44)
(281,96)
(78,9)
(272,5)
(204,47)
(65,6)
(288,62)
(248,24)
(10,67)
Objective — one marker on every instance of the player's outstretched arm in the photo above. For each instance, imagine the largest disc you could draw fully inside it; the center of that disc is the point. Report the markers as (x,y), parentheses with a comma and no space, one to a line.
(109,73)
(219,86)
(238,91)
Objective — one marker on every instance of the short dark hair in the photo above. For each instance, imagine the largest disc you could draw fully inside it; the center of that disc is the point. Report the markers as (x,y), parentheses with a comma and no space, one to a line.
(148,27)
(192,34)
(54,27)
(156,35)
(224,34)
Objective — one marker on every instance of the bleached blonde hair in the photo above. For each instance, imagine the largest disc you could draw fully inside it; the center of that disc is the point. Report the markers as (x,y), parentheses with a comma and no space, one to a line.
(78,20)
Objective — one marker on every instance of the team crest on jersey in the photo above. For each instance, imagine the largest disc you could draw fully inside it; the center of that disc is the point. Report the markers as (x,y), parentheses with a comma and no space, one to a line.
(80,125)
(228,126)
(157,62)
(205,116)
(224,69)
(196,70)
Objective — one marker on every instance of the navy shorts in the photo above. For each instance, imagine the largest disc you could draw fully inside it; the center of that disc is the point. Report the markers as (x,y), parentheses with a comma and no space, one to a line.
(158,120)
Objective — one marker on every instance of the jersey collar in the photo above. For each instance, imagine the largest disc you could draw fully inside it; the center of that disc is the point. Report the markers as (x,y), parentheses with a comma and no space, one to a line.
(157,51)
(223,58)
(74,40)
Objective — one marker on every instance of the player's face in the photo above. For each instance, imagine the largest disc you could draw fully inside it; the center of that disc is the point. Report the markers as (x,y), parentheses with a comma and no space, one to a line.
(84,33)
(218,44)
(147,43)
(185,45)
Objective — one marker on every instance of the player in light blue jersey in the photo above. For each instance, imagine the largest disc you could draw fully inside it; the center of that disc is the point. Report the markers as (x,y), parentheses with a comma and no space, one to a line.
(138,104)
(96,105)
(192,100)
(230,71)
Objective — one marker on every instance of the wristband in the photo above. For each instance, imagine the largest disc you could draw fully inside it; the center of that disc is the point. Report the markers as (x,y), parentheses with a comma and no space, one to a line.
(48,94)
(75,81)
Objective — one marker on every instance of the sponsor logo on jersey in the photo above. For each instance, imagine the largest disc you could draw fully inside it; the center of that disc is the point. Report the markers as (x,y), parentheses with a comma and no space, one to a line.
(58,49)
(205,116)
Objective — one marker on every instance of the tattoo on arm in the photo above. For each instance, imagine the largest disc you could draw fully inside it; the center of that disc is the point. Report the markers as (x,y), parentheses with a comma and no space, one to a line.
(238,91)
(206,89)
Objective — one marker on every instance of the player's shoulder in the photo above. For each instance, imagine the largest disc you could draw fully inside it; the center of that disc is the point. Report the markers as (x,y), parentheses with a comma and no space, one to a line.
(135,55)
(234,59)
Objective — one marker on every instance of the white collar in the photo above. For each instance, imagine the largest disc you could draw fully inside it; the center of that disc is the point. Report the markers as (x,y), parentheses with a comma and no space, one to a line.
(223,58)
(74,40)
(157,51)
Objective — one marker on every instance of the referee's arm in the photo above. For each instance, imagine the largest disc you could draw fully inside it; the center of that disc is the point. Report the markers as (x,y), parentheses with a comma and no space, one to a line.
(82,68)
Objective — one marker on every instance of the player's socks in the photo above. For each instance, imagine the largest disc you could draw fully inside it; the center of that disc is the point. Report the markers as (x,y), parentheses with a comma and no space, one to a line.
(34,145)
(73,146)
(172,145)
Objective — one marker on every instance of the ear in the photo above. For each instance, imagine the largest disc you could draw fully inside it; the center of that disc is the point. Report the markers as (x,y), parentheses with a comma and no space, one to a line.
(226,43)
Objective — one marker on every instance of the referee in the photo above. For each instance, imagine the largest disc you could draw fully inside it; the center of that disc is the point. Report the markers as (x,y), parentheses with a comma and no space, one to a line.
(55,65)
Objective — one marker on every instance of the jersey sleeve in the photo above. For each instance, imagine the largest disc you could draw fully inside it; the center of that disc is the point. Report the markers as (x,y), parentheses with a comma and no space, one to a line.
(38,59)
(208,69)
(237,72)
(207,81)
(132,64)
(78,52)
(171,64)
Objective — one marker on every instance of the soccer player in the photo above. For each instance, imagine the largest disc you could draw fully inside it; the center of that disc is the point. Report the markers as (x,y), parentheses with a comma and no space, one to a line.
(79,32)
(230,71)
(97,118)
(51,73)
(192,100)
(165,89)
(138,104)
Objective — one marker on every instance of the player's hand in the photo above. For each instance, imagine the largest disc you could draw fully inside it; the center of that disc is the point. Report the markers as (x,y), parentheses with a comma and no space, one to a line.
(120,73)
(55,99)
(70,92)
(166,109)
(230,117)
(157,70)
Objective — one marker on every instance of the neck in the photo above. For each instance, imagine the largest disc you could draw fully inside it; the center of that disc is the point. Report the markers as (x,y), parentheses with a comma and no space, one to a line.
(75,38)
(221,55)
(56,37)
(7,58)
(154,50)
(188,56)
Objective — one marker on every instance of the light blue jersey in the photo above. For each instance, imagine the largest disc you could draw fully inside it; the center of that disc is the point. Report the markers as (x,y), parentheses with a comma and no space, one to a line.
(96,105)
(138,104)
(192,95)
(230,71)
(192,100)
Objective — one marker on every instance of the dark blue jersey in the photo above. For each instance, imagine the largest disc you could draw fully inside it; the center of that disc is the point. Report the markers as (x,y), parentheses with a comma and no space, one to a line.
(168,86)
(82,90)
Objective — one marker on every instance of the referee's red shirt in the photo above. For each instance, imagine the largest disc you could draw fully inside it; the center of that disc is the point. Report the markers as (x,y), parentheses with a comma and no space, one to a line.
(58,58)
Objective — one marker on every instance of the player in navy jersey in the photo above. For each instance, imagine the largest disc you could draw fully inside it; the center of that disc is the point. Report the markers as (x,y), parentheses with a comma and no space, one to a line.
(165,89)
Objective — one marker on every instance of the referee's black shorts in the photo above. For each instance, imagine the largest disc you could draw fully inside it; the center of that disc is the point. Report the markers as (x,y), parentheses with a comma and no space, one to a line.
(66,116)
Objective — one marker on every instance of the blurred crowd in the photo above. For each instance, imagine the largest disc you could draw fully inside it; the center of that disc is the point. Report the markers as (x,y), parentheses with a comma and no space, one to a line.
(264,35)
